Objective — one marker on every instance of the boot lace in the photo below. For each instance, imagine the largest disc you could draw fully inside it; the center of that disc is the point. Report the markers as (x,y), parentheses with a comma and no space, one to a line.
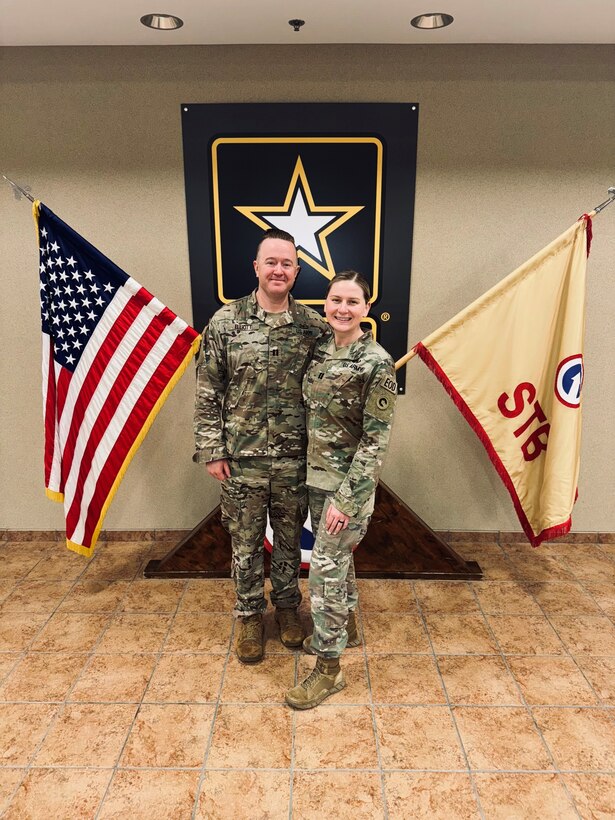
(252,628)
(311,678)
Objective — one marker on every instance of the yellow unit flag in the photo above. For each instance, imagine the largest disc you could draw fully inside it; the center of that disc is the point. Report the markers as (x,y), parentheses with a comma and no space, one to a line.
(512,362)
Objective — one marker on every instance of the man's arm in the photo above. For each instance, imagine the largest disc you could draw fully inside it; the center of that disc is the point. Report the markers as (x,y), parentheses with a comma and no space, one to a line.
(211,385)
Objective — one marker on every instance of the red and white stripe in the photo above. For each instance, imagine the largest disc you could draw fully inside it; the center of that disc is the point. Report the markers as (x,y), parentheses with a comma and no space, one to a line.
(101,408)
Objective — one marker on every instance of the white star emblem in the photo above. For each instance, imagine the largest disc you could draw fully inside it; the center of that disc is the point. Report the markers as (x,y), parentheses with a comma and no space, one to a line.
(303,225)
(309,223)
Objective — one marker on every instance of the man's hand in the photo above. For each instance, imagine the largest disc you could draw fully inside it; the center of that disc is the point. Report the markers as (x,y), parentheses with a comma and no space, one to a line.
(219,469)
(335,521)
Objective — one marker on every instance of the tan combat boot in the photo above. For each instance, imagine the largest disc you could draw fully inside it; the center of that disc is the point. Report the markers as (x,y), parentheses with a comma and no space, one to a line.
(351,628)
(326,679)
(291,631)
(250,639)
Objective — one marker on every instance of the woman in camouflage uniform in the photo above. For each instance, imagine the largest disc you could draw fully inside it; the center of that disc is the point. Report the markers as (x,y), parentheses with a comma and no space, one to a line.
(349,390)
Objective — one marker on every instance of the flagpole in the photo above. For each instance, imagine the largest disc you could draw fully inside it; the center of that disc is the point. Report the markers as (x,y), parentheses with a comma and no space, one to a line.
(405,359)
(17,189)
(411,353)
(603,205)
(611,192)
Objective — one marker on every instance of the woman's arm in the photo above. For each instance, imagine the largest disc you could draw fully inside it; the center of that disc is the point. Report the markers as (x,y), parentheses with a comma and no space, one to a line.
(362,477)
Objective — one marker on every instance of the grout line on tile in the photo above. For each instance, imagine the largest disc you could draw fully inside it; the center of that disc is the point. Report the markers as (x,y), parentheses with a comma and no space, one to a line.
(527,706)
(21,655)
(204,769)
(25,772)
(293,729)
(25,650)
(385,804)
(448,704)
(140,703)
(110,615)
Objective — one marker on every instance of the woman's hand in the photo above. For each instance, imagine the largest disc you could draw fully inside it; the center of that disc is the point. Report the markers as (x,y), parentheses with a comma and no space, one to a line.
(335,520)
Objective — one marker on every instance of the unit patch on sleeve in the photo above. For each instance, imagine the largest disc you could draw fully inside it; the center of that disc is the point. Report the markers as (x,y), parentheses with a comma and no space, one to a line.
(381,401)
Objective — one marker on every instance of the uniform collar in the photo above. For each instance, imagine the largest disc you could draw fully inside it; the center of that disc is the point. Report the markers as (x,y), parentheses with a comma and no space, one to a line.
(352,351)
(254,309)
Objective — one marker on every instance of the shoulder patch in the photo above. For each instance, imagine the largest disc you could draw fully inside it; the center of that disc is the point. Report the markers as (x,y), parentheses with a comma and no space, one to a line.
(389,384)
(381,401)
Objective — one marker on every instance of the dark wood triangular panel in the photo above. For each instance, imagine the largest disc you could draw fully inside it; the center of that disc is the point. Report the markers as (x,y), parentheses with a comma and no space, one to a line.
(398,544)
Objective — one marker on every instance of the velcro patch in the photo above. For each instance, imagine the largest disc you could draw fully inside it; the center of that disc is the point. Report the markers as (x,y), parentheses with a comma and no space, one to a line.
(389,384)
(380,403)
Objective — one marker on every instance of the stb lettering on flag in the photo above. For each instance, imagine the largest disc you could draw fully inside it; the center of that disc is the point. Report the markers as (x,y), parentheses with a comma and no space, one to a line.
(112,353)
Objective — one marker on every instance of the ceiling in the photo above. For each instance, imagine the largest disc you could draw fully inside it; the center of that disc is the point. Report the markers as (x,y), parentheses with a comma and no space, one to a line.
(116,22)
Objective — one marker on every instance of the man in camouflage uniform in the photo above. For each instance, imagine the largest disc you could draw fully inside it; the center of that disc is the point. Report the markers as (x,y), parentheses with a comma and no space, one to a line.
(350,398)
(249,428)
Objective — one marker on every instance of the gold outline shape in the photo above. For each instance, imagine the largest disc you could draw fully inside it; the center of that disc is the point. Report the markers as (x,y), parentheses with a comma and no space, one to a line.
(309,140)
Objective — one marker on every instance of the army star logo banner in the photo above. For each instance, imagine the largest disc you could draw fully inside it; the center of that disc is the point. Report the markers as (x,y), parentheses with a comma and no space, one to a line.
(338,177)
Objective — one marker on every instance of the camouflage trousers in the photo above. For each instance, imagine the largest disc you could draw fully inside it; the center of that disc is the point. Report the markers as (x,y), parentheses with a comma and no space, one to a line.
(333,586)
(258,486)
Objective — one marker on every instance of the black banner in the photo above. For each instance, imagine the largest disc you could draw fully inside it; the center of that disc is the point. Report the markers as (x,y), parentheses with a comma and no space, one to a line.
(339,177)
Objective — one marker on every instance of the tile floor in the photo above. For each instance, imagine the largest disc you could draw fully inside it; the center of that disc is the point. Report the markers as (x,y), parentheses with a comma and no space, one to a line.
(121,697)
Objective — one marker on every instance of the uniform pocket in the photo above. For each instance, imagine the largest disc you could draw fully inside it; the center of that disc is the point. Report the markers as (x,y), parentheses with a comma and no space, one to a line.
(242,385)
(334,591)
(331,387)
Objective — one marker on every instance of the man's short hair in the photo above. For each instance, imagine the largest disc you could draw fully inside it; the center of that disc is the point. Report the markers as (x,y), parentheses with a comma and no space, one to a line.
(276,233)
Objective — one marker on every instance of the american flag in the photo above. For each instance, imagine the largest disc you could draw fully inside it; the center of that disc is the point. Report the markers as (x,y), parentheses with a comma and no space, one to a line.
(112,353)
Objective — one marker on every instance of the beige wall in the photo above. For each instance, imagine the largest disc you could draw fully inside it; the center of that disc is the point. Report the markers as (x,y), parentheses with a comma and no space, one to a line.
(515,142)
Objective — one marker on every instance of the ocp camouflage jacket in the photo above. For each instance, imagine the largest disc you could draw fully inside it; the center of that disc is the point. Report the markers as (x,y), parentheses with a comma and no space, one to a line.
(249,374)
(350,398)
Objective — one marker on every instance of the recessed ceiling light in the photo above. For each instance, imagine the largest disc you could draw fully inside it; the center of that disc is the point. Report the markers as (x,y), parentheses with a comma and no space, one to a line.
(432,19)
(165,22)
